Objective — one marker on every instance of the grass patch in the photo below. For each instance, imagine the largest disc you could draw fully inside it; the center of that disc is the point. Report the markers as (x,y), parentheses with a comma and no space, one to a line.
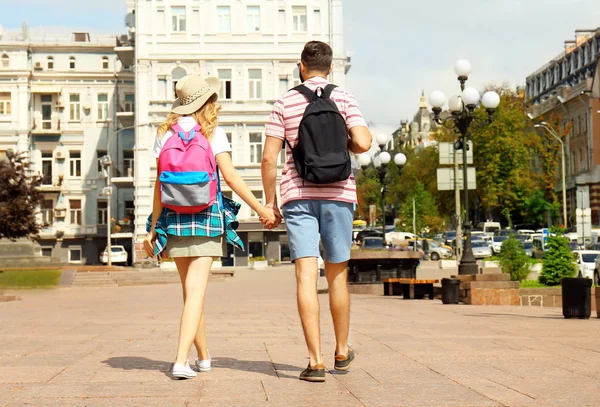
(535,284)
(29,278)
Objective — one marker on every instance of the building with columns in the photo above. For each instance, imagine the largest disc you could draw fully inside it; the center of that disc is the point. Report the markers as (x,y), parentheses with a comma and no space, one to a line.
(253,47)
(568,87)
(60,95)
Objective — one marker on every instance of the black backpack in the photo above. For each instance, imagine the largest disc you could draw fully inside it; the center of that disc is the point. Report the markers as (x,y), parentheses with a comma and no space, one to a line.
(321,155)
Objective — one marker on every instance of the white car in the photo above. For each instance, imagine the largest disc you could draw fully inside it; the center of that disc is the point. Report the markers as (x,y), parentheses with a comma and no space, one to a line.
(586,262)
(118,255)
(497,243)
(481,249)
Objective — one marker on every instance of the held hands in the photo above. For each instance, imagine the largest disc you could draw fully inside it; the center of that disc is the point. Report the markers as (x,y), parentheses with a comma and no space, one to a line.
(270,216)
(149,243)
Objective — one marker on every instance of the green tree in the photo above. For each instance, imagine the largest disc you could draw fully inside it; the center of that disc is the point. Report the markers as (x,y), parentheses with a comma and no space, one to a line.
(536,206)
(368,190)
(19,198)
(427,218)
(514,260)
(558,261)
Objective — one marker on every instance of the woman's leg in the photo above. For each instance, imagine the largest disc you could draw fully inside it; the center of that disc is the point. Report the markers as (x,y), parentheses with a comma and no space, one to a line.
(195,287)
(183,264)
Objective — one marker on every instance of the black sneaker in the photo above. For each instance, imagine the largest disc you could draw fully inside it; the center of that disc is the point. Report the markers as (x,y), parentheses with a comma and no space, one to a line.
(343,362)
(316,374)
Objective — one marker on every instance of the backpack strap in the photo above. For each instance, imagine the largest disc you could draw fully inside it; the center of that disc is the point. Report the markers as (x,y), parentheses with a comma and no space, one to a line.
(184,135)
(310,95)
(326,93)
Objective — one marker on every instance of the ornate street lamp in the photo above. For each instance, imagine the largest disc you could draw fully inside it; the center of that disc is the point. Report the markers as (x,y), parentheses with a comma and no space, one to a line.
(380,161)
(462,109)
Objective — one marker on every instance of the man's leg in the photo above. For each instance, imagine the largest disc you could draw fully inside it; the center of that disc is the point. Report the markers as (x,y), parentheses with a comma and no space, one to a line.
(339,303)
(303,236)
(308,306)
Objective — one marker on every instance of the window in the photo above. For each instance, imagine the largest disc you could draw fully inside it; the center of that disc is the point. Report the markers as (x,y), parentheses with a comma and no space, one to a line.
(5,103)
(161,22)
(296,77)
(102,212)
(46,251)
(104,63)
(47,210)
(178,19)
(161,93)
(317,21)
(46,167)
(46,112)
(129,211)
(75,254)
(75,211)
(228,134)
(102,106)
(581,167)
(259,196)
(255,148)
(5,61)
(281,22)
(50,63)
(74,108)
(299,18)
(225,77)
(223,19)
(75,163)
(253,19)
(128,163)
(130,102)
(255,83)
(71,62)
(176,75)
(100,154)
(283,85)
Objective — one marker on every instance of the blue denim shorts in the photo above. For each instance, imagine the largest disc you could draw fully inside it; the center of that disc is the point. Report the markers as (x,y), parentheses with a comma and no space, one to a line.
(311,221)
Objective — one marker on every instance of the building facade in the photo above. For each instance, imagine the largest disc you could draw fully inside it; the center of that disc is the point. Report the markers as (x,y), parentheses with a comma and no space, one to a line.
(253,47)
(59,98)
(568,88)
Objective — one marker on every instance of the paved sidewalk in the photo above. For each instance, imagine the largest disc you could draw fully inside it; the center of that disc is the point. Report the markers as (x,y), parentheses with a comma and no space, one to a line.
(109,346)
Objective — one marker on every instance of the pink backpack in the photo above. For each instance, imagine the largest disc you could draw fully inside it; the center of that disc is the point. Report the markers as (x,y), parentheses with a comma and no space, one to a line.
(188,171)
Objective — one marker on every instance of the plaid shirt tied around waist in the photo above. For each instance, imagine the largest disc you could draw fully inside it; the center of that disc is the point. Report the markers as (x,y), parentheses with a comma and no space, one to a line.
(216,220)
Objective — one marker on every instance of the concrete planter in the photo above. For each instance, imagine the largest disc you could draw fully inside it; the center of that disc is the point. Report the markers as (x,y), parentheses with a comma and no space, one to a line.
(259,265)
(490,263)
(448,264)
(168,266)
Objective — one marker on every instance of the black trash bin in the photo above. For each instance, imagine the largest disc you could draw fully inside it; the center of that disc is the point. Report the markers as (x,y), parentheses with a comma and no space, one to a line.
(577,297)
(450,290)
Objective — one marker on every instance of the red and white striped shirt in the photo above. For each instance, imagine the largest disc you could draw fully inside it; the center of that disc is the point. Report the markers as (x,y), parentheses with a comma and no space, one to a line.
(283,124)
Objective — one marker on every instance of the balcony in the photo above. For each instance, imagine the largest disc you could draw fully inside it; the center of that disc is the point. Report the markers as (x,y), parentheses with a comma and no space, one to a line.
(126,115)
(123,174)
(125,50)
(46,127)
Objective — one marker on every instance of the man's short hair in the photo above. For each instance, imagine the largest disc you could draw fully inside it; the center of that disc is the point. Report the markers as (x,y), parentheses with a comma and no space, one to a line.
(317,56)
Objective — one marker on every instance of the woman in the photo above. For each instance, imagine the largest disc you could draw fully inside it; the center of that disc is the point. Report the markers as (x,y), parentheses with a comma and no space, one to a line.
(193,240)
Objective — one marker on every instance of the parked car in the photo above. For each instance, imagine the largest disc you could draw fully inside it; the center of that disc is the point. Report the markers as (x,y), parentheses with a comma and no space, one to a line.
(368,233)
(505,232)
(528,247)
(490,228)
(574,246)
(586,262)
(436,250)
(481,249)
(372,243)
(118,254)
(497,243)
(479,235)
(449,237)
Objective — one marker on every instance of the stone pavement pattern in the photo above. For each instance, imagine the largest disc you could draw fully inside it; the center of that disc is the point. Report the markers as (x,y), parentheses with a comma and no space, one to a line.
(111,346)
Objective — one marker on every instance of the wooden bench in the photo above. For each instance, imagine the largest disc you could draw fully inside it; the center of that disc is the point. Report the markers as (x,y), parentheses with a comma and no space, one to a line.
(409,288)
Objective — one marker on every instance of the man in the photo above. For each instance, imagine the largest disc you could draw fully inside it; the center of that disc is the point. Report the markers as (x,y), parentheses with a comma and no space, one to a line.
(314,212)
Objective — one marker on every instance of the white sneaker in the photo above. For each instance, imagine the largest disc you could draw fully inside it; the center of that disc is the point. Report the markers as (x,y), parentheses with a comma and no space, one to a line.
(183,372)
(204,365)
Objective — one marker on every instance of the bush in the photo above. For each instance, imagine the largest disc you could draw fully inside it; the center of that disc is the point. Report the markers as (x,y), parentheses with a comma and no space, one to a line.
(558,261)
(514,260)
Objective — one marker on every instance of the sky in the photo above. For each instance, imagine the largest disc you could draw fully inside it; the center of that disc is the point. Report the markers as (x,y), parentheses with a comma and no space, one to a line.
(398,47)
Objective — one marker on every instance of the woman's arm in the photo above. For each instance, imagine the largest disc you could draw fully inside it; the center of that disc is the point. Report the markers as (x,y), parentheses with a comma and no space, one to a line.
(237,184)
(156,210)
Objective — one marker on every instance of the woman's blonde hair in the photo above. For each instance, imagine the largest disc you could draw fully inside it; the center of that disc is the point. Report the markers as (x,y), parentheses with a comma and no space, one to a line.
(207,117)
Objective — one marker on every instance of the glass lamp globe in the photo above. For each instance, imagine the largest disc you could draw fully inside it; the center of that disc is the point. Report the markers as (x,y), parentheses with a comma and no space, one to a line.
(490,100)
(463,68)
(471,96)
(437,99)
(376,162)
(400,159)
(385,158)
(364,159)
(455,104)
(382,139)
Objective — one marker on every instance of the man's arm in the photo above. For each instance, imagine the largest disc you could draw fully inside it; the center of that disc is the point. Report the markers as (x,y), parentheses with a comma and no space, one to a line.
(271,152)
(360,140)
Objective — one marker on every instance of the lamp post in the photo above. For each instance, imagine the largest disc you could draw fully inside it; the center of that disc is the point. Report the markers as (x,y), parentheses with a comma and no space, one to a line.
(462,109)
(553,133)
(380,161)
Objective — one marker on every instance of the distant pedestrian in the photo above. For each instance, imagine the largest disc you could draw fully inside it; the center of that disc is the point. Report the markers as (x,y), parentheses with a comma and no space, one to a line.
(320,124)
(190,216)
